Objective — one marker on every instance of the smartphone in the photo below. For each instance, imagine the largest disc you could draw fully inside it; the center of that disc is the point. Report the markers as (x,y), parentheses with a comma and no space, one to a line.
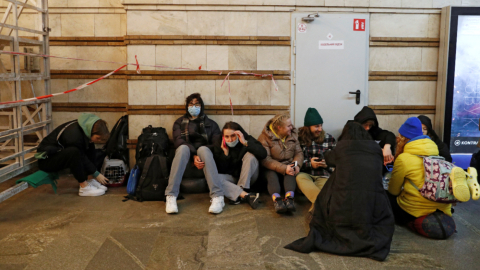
(294,163)
(317,159)
(223,142)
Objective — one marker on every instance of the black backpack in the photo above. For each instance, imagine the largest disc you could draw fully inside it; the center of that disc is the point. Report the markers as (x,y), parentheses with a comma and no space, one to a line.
(151,156)
(116,146)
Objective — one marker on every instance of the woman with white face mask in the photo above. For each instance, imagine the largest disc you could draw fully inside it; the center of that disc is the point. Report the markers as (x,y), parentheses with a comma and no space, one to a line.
(237,159)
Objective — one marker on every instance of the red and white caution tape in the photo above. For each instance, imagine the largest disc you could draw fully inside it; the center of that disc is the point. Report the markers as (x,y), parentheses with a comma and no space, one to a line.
(66,92)
(137,65)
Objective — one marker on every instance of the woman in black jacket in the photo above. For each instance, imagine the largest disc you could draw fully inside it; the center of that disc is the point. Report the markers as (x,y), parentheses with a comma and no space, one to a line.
(237,159)
(428,130)
(352,215)
(72,145)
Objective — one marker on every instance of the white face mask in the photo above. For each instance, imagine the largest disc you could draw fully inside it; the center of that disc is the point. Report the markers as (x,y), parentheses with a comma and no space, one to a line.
(232,144)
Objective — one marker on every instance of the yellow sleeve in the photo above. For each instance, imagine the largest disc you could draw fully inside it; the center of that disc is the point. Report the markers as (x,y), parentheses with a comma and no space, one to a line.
(398,175)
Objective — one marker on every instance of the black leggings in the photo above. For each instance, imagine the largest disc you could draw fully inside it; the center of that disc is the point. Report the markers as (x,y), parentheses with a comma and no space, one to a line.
(273,179)
(401,217)
(70,158)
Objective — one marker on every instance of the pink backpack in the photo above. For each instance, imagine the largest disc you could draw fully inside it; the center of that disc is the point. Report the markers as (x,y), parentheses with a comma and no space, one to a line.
(437,186)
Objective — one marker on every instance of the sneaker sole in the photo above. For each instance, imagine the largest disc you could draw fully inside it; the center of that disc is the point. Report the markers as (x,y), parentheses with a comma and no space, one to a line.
(281,211)
(459,184)
(472,182)
(91,195)
(173,212)
(212,212)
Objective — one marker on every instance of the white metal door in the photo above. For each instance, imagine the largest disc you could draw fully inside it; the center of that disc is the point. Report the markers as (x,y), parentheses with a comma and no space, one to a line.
(331,60)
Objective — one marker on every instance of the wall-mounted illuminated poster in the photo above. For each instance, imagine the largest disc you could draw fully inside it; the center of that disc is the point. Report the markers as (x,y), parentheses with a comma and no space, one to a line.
(462,97)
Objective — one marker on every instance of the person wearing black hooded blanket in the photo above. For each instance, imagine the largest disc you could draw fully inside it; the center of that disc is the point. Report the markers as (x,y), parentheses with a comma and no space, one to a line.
(194,135)
(237,158)
(427,129)
(386,139)
(352,215)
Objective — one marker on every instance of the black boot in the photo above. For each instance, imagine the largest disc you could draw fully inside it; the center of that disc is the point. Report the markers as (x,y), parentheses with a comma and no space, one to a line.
(280,206)
(290,204)
(252,199)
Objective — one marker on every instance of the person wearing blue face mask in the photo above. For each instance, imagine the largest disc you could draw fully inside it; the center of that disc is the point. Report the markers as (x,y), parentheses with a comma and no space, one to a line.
(194,134)
(237,159)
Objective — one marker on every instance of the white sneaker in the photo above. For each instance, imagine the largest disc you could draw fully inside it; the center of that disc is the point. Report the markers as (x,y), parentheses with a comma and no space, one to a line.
(171,205)
(96,184)
(217,205)
(90,190)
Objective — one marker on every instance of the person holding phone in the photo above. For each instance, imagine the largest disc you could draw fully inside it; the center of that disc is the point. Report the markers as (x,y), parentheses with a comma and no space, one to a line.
(314,142)
(283,161)
(237,159)
(385,139)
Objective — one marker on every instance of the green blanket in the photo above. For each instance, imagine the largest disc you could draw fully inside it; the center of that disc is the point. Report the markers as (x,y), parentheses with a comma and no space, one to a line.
(41,178)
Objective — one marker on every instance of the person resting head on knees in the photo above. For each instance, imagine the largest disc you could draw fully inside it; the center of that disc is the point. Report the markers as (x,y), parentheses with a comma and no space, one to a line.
(284,160)
(72,145)
(237,159)
(386,139)
(314,142)
(352,207)
(194,134)
(408,205)
(427,129)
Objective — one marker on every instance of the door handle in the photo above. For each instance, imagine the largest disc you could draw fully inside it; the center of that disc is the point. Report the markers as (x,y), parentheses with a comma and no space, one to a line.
(357,96)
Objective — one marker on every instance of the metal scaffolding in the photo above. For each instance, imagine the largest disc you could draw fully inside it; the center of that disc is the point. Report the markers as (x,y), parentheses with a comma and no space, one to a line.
(23,125)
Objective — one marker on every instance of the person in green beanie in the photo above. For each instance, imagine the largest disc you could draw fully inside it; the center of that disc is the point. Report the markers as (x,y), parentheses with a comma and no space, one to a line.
(314,142)
(72,145)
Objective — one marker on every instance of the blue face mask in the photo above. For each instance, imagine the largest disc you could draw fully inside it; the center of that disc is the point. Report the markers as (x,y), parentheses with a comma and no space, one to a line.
(194,111)
(232,144)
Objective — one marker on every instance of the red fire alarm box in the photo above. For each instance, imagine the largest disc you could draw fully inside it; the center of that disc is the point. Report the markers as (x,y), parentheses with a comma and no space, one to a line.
(358,24)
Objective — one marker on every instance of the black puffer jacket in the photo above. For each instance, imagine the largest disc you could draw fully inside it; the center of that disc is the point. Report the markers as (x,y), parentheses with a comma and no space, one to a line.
(232,164)
(352,215)
(72,136)
(442,147)
(196,139)
(379,135)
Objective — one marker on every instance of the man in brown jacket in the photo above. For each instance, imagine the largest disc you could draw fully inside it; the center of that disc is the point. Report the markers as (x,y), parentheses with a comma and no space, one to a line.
(284,160)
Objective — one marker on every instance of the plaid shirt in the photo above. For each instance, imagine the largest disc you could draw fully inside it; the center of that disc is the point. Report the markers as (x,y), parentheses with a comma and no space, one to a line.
(317,150)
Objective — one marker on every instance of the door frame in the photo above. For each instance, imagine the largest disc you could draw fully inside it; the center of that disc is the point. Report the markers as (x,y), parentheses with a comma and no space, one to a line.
(293,34)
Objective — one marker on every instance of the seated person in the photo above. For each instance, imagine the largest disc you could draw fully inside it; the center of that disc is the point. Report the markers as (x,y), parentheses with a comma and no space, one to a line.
(427,129)
(194,135)
(283,150)
(314,142)
(352,215)
(237,159)
(407,203)
(72,145)
(386,139)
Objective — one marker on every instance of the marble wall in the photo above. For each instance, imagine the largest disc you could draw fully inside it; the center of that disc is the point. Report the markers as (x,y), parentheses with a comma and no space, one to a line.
(212,57)
(209,23)
(174,92)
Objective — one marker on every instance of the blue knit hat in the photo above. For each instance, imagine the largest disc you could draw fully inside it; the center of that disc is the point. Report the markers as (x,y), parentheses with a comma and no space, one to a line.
(411,128)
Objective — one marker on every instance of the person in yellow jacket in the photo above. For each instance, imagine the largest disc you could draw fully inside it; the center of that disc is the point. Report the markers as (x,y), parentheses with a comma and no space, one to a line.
(407,202)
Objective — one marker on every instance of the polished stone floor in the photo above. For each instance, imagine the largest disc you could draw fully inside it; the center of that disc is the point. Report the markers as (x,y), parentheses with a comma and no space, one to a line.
(43,230)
